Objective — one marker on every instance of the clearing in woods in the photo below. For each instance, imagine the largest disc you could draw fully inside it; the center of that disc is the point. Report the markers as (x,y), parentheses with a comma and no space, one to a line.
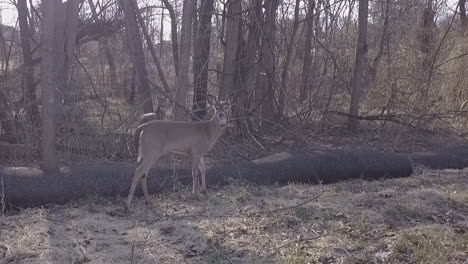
(421,219)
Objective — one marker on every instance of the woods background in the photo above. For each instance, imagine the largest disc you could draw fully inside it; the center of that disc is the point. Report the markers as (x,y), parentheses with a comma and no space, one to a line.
(83,72)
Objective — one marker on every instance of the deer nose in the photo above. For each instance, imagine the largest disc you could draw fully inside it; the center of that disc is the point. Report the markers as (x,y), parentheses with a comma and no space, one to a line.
(221,115)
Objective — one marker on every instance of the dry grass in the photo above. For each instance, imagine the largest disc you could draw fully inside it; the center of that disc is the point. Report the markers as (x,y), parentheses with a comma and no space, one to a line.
(421,219)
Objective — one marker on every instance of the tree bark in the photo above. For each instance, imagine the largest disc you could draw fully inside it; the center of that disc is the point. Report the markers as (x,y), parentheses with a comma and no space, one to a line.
(427,48)
(202,47)
(161,34)
(287,62)
(234,10)
(29,92)
(265,76)
(306,67)
(249,64)
(58,41)
(32,187)
(6,118)
(152,50)
(463,17)
(137,55)
(361,51)
(184,52)
(175,44)
(104,45)
(48,93)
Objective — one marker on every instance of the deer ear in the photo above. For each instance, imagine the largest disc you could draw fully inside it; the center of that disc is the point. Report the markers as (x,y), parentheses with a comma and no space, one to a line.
(233,96)
(230,99)
(210,99)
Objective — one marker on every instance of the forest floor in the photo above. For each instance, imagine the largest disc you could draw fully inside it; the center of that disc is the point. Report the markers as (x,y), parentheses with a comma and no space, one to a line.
(420,219)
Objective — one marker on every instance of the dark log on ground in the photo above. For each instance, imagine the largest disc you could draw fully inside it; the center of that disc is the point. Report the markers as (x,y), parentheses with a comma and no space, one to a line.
(30,187)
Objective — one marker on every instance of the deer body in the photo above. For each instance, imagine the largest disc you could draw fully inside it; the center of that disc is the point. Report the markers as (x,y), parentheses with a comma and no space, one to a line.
(181,137)
(156,138)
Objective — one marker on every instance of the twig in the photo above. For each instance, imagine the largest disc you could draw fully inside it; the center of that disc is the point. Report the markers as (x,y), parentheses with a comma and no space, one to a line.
(295,241)
(268,212)
(254,139)
(254,214)
(2,198)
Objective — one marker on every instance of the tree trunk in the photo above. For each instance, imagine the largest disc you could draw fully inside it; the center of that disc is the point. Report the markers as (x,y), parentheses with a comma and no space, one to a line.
(266,75)
(427,48)
(230,51)
(175,44)
(463,17)
(249,65)
(29,93)
(58,43)
(104,45)
(137,55)
(48,84)
(6,118)
(184,52)
(161,34)
(31,187)
(306,67)
(287,62)
(152,50)
(202,48)
(361,51)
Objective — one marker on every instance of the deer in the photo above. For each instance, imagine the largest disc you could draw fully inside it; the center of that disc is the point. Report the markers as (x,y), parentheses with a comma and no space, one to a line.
(155,138)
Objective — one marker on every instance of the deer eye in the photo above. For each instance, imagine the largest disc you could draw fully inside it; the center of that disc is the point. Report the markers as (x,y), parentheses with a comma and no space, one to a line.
(217,108)
(226,107)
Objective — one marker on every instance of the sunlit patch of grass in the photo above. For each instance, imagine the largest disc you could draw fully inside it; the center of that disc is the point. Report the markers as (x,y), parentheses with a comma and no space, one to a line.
(431,244)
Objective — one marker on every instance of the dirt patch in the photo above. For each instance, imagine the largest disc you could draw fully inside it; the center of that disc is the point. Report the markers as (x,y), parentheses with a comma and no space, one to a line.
(421,219)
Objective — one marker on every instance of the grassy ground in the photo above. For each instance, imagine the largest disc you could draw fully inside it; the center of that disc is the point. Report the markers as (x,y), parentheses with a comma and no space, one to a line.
(421,219)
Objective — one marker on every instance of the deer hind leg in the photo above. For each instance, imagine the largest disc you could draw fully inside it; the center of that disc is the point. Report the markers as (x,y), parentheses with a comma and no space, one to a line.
(141,171)
(202,168)
(196,182)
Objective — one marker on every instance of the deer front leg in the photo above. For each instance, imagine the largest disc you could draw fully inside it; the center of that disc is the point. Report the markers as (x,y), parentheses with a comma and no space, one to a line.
(202,168)
(136,179)
(144,187)
(140,171)
(195,162)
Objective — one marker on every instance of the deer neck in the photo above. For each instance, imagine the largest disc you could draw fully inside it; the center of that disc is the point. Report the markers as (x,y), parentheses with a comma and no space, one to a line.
(216,130)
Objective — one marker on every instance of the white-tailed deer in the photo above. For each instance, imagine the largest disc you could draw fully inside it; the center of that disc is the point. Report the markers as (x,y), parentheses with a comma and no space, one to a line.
(156,138)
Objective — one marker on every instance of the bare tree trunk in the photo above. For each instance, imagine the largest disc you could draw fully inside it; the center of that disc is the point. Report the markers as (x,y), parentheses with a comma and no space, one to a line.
(161,34)
(427,48)
(463,18)
(383,39)
(67,34)
(264,90)
(48,86)
(104,44)
(184,52)
(306,67)
(58,41)
(32,110)
(175,44)
(232,44)
(137,55)
(152,50)
(287,62)
(361,51)
(6,119)
(201,58)
(249,64)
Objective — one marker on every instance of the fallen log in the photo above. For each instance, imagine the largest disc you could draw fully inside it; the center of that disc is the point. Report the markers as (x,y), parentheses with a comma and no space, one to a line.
(23,187)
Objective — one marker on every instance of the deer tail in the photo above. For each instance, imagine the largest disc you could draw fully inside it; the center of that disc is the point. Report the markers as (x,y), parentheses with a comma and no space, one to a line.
(136,142)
